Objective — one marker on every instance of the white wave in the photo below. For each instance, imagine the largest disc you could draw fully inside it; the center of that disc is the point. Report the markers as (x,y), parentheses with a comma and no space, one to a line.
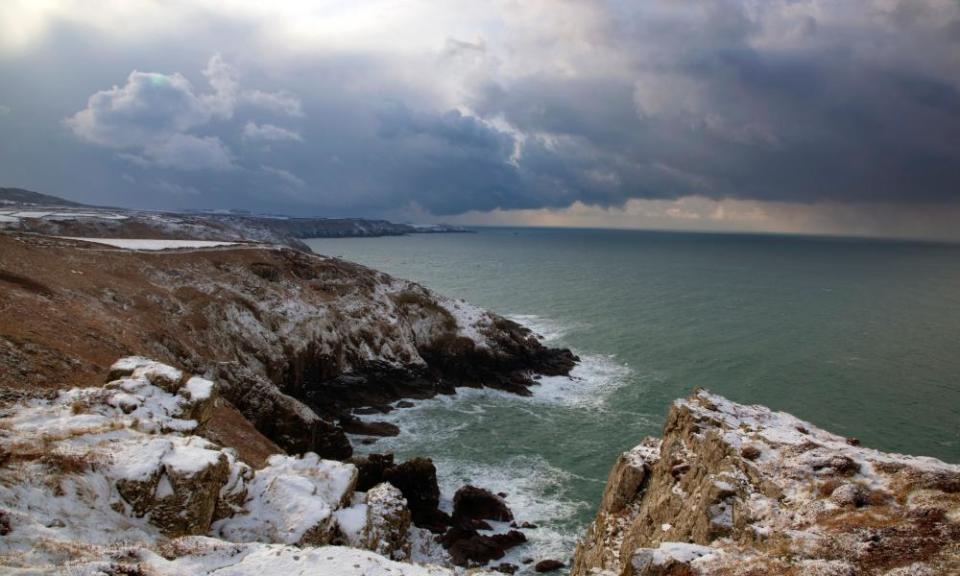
(535,493)
(589,384)
(549,330)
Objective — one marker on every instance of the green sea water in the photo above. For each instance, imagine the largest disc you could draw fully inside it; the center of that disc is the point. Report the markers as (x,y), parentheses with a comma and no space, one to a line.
(859,337)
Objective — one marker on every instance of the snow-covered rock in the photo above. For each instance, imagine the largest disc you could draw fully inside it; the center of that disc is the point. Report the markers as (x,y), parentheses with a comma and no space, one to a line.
(98,479)
(388,522)
(292,501)
(733,489)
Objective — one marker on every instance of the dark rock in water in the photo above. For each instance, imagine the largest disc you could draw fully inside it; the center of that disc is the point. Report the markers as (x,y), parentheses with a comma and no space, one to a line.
(368,441)
(528,526)
(405,404)
(468,548)
(417,480)
(356,426)
(527,561)
(502,494)
(473,502)
(548,565)
(506,568)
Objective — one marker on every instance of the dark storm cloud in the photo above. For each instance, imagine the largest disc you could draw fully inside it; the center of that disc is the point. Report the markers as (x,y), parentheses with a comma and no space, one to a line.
(553,103)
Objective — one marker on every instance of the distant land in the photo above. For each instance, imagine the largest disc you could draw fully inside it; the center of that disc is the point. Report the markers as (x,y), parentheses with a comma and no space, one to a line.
(30,211)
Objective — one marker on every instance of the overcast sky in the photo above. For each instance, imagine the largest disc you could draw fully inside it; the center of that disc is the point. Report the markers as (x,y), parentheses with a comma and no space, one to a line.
(820,116)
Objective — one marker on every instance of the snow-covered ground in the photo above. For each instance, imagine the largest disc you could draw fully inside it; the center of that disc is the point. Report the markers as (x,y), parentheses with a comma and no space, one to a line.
(150,244)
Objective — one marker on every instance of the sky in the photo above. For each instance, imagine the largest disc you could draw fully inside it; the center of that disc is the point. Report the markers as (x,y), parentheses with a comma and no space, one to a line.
(800,116)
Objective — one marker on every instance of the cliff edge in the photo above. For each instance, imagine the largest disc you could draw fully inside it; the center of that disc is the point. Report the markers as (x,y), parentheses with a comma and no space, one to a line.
(742,490)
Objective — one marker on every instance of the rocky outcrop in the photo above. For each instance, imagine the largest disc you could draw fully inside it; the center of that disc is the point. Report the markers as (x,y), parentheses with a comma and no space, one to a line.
(114,480)
(296,340)
(738,490)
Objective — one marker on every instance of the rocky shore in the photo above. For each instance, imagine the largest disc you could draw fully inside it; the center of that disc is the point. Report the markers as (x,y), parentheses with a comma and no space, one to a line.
(217,443)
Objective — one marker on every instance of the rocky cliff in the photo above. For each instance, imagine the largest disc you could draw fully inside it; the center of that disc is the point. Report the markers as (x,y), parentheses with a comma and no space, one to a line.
(296,340)
(742,490)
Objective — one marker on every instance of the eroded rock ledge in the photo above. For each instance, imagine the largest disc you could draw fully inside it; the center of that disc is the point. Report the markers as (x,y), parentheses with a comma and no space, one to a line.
(742,490)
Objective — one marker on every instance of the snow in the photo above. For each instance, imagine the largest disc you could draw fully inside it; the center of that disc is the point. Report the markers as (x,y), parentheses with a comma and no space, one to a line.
(198,388)
(208,556)
(289,498)
(471,320)
(129,431)
(352,522)
(680,552)
(150,245)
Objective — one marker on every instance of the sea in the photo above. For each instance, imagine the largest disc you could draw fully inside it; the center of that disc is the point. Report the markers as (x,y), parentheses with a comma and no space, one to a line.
(860,337)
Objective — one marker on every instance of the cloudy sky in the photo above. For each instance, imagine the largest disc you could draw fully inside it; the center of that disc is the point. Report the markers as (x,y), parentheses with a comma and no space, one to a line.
(820,116)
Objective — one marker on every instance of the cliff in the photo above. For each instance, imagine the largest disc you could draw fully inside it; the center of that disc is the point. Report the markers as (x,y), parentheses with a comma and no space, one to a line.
(742,490)
(296,340)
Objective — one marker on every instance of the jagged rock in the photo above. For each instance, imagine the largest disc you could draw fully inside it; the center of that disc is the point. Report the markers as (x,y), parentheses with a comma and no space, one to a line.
(388,522)
(370,469)
(733,489)
(479,503)
(417,480)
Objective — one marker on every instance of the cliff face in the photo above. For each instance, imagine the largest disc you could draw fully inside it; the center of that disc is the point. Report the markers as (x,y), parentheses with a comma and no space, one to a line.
(295,339)
(742,490)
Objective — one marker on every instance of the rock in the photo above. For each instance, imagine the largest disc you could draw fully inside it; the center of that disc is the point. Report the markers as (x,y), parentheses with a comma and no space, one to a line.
(176,482)
(388,522)
(199,397)
(370,469)
(472,502)
(468,548)
(405,404)
(417,480)
(548,565)
(506,568)
(292,500)
(733,488)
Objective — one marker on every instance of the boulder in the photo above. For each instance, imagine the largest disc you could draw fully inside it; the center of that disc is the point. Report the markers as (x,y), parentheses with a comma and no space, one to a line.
(176,482)
(417,480)
(479,503)
(388,522)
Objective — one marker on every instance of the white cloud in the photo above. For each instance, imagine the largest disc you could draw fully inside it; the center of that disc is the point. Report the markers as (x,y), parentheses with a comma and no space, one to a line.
(152,117)
(254,132)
